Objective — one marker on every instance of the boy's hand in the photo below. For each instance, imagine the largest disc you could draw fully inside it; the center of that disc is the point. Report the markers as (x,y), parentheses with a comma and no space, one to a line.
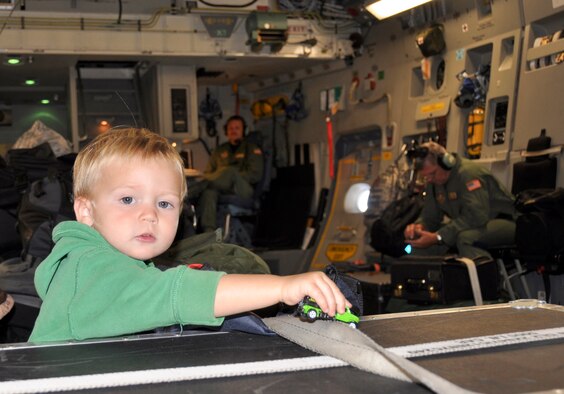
(316,285)
(238,293)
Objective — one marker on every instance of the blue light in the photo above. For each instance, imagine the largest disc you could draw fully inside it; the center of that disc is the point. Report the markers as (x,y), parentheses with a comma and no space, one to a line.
(407,249)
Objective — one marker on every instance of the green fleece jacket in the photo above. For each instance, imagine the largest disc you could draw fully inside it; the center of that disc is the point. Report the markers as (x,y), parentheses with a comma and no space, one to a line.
(91,290)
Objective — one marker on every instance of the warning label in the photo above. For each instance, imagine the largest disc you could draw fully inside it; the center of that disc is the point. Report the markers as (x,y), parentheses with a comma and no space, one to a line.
(340,252)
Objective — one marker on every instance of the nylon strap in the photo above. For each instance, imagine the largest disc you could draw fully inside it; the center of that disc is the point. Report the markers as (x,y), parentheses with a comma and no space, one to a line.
(354,347)
(474,281)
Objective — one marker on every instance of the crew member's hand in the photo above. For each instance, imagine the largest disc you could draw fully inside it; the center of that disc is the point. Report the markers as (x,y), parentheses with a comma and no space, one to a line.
(411,230)
(423,239)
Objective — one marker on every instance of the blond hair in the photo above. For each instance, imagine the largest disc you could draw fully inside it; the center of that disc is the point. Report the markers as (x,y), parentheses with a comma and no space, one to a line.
(122,144)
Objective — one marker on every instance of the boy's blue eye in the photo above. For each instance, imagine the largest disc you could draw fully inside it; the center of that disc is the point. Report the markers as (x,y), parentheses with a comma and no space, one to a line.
(165,204)
(127,200)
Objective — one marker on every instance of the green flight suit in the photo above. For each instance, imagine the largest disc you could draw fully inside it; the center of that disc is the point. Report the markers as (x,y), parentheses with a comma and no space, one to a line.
(471,211)
(229,171)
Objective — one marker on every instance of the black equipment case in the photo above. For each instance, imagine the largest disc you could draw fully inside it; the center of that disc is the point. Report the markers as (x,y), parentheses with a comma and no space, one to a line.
(441,280)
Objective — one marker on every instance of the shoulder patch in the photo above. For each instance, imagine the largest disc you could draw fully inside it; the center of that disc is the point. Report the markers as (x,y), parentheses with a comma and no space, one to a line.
(472,185)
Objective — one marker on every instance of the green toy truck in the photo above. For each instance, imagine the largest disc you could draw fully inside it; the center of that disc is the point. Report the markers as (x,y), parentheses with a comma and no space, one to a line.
(309,310)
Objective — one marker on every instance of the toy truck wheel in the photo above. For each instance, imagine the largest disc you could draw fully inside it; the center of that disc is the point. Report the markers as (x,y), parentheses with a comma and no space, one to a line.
(352,324)
(312,314)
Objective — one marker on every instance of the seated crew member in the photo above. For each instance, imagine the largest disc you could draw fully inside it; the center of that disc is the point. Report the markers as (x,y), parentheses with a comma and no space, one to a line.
(98,281)
(234,167)
(465,207)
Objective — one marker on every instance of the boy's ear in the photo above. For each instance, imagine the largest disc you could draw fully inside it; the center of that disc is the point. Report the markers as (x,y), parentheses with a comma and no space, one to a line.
(83,211)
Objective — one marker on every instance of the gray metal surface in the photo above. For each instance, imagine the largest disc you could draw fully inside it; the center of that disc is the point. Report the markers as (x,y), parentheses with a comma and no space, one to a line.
(18,362)
(522,368)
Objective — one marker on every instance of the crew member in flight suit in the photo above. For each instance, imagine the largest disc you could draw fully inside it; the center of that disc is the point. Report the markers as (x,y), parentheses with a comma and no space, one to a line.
(234,167)
(465,207)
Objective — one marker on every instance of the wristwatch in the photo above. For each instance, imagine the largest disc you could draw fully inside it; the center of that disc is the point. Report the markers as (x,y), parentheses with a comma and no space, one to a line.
(439,239)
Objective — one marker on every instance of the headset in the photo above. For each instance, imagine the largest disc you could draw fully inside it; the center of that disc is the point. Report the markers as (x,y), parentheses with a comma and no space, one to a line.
(236,117)
(445,160)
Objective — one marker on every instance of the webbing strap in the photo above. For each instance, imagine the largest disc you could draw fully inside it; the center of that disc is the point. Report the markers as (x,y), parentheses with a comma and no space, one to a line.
(474,281)
(354,347)
(165,375)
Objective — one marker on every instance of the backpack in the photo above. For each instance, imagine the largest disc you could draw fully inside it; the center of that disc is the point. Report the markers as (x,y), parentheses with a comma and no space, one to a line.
(386,234)
(46,202)
(539,233)
(431,41)
(9,194)
(209,249)
(9,198)
(349,286)
(30,164)
(45,185)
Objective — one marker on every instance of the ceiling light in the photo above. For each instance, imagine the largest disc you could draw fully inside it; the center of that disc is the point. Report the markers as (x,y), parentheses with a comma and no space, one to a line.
(104,124)
(30,82)
(385,8)
(13,60)
(45,101)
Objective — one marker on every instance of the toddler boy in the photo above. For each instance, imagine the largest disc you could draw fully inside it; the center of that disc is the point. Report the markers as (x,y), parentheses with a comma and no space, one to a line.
(98,281)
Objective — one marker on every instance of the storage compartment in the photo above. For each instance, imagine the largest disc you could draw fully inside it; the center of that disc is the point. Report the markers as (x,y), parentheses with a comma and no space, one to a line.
(541,83)
(545,43)
(479,56)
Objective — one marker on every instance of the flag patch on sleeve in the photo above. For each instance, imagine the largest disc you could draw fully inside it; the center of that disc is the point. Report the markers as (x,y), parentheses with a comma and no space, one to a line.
(474,184)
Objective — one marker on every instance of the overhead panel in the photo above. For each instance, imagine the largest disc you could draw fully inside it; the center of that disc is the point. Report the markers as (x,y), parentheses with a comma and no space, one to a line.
(267,28)
(235,6)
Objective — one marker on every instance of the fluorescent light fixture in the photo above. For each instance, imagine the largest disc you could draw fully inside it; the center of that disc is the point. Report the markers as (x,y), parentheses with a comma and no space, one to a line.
(7,5)
(45,101)
(385,8)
